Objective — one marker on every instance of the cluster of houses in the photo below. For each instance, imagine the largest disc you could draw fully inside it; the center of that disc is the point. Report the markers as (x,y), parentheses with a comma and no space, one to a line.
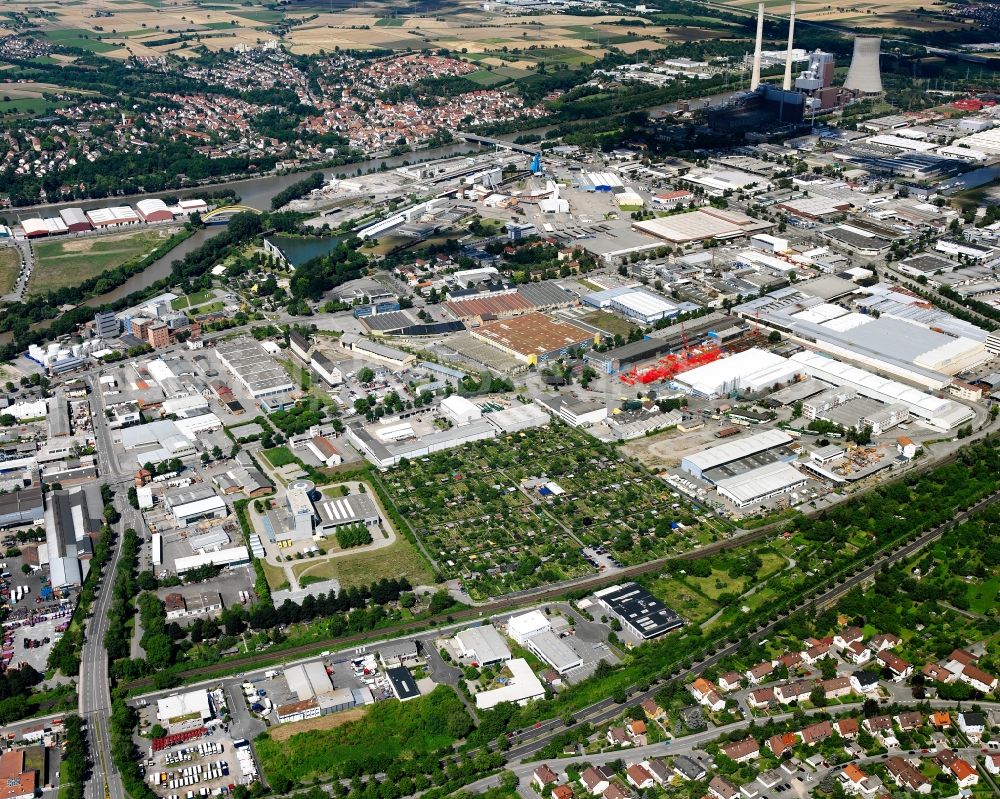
(962,666)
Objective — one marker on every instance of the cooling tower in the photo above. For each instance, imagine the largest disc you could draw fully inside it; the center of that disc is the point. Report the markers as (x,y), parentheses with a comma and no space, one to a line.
(864,76)
(787,83)
(755,75)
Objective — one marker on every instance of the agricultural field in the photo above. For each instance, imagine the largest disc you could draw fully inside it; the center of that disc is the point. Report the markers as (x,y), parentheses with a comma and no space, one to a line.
(10,263)
(484,515)
(71,261)
(863,14)
(32,98)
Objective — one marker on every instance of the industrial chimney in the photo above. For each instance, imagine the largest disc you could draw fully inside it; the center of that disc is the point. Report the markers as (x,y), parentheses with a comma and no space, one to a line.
(759,43)
(864,76)
(787,84)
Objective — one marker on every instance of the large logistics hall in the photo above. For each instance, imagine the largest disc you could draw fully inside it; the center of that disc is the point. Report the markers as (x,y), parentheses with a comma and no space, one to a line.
(903,348)
(752,370)
(699,463)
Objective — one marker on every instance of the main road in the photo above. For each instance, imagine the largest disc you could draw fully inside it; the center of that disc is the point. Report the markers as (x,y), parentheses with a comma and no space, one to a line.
(94,685)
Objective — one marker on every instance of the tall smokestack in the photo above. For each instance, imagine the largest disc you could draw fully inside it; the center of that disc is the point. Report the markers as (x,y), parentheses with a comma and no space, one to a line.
(787,85)
(759,43)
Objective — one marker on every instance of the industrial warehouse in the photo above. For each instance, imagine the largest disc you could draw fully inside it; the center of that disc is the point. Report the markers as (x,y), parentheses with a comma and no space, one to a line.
(534,337)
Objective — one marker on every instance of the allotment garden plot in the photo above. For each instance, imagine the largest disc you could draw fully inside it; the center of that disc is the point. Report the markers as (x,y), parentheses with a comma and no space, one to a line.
(516,512)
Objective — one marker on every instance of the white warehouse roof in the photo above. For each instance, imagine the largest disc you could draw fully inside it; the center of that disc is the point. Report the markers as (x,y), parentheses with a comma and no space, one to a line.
(199,507)
(760,483)
(485,643)
(222,557)
(181,705)
(942,413)
(523,686)
(735,450)
(308,680)
(752,369)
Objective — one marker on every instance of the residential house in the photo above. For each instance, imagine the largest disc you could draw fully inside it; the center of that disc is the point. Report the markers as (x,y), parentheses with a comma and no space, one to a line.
(652,710)
(857,653)
(883,641)
(637,732)
(594,781)
(779,744)
(543,776)
(972,724)
(760,698)
(730,681)
(846,727)
(797,691)
(701,688)
(750,790)
(815,733)
(618,737)
(881,728)
(910,720)
(721,788)
(790,660)
(978,679)
(562,792)
(760,672)
(742,751)
(993,764)
(714,702)
(837,687)
(856,783)
(899,668)
(964,773)
(941,719)
(864,683)
(906,776)
(688,769)
(816,652)
(848,636)
(16,781)
(661,772)
(932,671)
(945,758)
(639,777)
(615,791)
(959,659)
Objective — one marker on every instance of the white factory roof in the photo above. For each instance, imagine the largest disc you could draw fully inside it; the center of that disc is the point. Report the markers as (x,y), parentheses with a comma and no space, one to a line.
(487,644)
(753,368)
(940,412)
(987,141)
(460,406)
(308,680)
(848,321)
(740,448)
(198,507)
(901,143)
(527,624)
(191,426)
(151,206)
(181,705)
(185,403)
(760,482)
(118,213)
(222,557)
(523,686)
(644,302)
(823,312)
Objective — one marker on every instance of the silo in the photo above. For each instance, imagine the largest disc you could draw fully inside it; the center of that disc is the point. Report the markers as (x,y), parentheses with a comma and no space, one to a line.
(864,76)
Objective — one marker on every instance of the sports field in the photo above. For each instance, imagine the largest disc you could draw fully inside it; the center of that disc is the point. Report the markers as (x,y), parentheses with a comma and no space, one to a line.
(71,261)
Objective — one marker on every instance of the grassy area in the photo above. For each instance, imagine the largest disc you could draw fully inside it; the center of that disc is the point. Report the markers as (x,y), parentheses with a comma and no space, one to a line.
(195,298)
(68,263)
(211,307)
(389,731)
(263,15)
(275,575)
(10,263)
(983,596)
(692,605)
(29,105)
(280,456)
(399,560)
(608,322)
